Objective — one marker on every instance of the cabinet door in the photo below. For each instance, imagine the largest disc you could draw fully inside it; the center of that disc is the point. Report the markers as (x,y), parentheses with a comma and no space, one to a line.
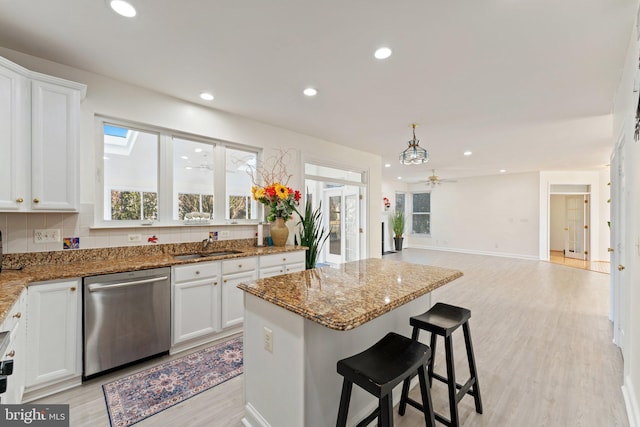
(14,139)
(53,332)
(54,146)
(233,298)
(16,350)
(195,309)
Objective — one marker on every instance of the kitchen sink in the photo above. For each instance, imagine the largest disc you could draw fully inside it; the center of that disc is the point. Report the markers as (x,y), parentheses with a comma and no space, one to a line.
(205,255)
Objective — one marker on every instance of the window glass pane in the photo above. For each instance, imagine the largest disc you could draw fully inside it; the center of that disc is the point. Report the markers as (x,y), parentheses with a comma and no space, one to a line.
(422,202)
(130,169)
(400,202)
(240,167)
(192,177)
(421,223)
(327,172)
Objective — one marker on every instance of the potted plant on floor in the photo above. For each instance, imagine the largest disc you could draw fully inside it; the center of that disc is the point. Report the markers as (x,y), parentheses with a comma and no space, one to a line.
(313,235)
(397,223)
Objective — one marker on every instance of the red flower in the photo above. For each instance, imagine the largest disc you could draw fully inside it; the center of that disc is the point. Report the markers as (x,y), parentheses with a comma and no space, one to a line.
(297,196)
(270,191)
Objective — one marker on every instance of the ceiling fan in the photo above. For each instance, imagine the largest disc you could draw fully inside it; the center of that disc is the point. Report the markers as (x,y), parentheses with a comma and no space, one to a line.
(434,179)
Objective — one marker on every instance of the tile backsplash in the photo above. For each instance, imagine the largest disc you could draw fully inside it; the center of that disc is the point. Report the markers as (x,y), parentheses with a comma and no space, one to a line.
(18,232)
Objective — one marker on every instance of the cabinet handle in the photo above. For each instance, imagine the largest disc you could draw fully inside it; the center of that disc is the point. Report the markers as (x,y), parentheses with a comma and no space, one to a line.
(11,353)
(36,200)
(72,289)
(19,200)
(17,315)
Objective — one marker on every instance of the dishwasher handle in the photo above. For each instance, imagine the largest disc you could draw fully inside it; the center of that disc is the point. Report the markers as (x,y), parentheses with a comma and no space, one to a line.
(96,287)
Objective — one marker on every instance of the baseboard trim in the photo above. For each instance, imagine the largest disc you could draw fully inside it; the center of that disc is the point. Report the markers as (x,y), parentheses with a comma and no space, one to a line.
(475,252)
(630,402)
(253,418)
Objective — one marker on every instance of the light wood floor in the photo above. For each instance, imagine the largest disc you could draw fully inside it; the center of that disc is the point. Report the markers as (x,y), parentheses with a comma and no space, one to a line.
(557,257)
(542,340)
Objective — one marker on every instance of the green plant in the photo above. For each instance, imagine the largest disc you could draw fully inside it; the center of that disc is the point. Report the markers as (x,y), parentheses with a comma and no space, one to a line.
(313,235)
(397,223)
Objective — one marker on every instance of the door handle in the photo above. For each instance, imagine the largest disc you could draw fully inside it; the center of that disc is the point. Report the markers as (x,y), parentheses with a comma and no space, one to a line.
(620,267)
(610,250)
(100,287)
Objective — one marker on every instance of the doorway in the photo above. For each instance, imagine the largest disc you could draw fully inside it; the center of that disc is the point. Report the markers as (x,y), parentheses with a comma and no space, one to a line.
(569,222)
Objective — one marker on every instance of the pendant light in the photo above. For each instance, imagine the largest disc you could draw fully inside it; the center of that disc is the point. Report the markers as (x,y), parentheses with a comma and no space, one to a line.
(414,154)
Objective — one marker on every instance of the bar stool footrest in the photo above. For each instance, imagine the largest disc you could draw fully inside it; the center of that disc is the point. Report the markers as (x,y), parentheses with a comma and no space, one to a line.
(372,416)
(464,389)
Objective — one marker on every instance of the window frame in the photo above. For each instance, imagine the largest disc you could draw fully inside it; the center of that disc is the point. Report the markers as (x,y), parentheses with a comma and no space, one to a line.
(427,214)
(166,175)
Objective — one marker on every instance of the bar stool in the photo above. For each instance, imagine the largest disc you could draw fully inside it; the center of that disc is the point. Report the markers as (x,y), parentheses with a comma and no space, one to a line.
(378,370)
(442,319)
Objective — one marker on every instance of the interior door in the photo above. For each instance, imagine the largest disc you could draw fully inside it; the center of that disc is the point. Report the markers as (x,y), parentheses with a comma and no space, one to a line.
(576,229)
(342,216)
(333,205)
(619,283)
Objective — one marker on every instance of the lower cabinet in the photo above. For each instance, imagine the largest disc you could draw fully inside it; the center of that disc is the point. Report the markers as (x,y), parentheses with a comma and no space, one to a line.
(54,340)
(14,323)
(195,301)
(234,272)
(283,263)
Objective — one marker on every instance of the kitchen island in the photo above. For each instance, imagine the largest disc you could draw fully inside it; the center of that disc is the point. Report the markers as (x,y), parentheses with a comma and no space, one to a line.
(297,326)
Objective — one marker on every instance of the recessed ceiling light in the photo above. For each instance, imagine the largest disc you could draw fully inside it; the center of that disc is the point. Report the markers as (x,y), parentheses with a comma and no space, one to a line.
(206,96)
(188,168)
(198,150)
(105,158)
(503,170)
(399,177)
(123,8)
(467,153)
(310,91)
(382,53)
(184,157)
(387,165)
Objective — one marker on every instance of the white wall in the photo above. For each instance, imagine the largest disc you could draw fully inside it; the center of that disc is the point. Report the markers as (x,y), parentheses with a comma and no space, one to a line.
(111,98)
(495,215)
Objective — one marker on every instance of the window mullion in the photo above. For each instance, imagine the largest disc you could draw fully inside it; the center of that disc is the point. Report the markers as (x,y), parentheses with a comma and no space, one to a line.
(165,179)
(219,183)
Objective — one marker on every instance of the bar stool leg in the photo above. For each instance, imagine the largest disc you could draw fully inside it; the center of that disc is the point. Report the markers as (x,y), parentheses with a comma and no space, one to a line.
(402,408)
(385,419)
(433,358)
(427,404)
(345,398)
(451,382)
(472,368)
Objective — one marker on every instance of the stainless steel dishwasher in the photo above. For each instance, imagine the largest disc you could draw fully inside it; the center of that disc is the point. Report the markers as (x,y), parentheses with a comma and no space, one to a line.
(127,317)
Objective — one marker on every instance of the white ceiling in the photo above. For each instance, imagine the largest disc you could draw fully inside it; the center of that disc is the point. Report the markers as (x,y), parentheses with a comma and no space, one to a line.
(525,84)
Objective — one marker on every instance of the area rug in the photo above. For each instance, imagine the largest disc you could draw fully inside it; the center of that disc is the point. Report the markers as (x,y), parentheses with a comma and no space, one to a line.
(143,394)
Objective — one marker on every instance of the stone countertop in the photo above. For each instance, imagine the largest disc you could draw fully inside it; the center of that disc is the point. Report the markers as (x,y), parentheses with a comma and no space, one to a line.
(354,293)
(12,282)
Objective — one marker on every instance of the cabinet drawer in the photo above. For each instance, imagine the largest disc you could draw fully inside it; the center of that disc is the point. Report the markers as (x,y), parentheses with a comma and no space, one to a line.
(201,270)
(16,314)
(280,259)
(239,265)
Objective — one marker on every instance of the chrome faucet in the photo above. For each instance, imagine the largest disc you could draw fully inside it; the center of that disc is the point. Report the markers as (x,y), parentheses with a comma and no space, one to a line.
(205,243)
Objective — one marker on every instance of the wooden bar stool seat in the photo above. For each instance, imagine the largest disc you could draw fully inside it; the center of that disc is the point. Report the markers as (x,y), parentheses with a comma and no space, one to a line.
(378,370)
(443,319)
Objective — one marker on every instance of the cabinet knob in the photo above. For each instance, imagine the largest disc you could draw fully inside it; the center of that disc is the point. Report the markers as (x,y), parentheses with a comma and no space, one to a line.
(610,250)
(17,315)
(225,280)
(239,265)
(215,283)
(284,259)
(72,289)
(620,267)
(36,200)
(197,271)
(19,200)
(11,353)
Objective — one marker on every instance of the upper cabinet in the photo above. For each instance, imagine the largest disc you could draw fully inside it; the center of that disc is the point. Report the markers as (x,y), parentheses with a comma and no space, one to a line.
(39,139)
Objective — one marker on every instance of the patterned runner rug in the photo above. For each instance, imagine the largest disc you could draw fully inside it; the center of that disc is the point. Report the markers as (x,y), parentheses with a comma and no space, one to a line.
(141,395)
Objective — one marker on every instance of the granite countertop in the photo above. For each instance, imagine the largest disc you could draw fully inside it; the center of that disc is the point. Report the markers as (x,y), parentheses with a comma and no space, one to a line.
(12,282)
(354,293)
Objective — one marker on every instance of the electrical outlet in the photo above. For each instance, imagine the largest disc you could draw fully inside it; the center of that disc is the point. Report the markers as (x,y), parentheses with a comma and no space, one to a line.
(46,236)
(224,233)
(134,237)
(268,339)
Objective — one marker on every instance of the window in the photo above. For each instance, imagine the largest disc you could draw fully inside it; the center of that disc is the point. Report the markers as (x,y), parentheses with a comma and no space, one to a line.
(130,174)
(155,175)
(421,215)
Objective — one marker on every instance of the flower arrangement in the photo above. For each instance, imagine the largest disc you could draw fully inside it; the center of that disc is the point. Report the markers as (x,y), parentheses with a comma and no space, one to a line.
(387,203)
(280,199)
(270,187)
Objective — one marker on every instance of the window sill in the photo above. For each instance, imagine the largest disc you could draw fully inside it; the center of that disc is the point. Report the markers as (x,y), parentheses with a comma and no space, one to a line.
(104,226)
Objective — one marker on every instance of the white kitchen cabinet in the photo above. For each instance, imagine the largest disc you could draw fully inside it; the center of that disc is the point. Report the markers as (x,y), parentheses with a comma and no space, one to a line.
(283,263)
(39,139)
(54,340)
(14,323)
(195,301)
(234,272)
